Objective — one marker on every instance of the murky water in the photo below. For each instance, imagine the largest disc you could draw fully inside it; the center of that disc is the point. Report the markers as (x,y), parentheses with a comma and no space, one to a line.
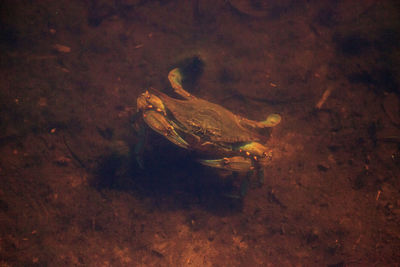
(73,194)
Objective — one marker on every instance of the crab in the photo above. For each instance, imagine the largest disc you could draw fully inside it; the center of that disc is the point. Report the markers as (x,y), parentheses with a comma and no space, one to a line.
(225,140)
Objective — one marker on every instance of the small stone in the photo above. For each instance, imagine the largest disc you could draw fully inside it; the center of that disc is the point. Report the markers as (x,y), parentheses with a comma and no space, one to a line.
(62,48)
(42,102)
(322,168)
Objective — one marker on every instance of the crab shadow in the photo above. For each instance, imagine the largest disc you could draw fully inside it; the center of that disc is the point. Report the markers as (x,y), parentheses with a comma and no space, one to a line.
(170,177)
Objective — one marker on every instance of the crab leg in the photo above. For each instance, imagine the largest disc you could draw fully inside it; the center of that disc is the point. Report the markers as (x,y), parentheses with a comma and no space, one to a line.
(238,163)
(175,78)
(271,121)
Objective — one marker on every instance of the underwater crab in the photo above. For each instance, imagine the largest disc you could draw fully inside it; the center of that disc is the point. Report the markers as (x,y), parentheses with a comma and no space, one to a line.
(225,140)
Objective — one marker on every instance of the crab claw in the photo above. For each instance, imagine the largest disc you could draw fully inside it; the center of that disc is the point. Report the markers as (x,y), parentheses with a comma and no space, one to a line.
(271,121)
(253,148)
(160,124)
(239,164)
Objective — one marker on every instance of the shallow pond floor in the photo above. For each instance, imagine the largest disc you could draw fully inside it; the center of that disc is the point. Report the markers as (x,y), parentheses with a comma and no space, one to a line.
(73,194)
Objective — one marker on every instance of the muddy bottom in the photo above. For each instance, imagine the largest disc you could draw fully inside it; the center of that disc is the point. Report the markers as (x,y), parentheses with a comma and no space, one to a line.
(74,193)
